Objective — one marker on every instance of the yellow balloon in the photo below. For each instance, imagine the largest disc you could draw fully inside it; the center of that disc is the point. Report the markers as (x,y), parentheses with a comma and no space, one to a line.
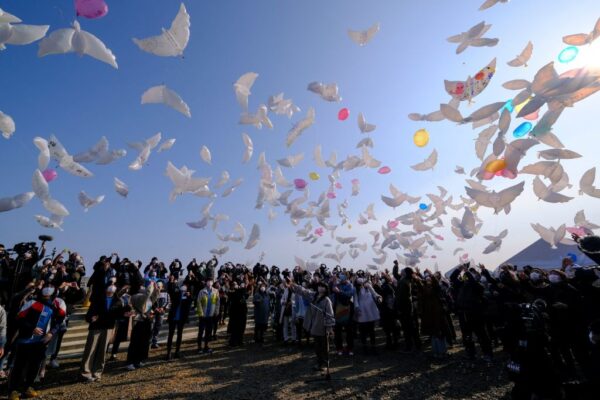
(421,138)
(349,226)
(314,176)
(495,166)
(519,107)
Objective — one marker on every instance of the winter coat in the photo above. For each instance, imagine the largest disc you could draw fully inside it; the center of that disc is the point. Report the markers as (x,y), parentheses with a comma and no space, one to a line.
(365,304)
(262,308)
(319,315)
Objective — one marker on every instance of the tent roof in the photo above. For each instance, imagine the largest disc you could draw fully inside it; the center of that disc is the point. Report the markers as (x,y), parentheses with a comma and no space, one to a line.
(539,254)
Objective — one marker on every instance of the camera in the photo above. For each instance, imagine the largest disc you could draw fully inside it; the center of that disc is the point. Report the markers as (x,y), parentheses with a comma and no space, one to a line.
(24,247)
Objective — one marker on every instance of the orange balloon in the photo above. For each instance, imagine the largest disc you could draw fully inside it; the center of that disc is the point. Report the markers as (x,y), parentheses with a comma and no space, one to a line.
(495,166)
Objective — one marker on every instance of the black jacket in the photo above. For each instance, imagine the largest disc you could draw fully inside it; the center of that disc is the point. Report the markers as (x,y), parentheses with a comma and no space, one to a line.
(106,317)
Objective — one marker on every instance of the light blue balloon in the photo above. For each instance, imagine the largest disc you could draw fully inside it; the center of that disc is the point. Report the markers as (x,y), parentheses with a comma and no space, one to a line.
(509,106)
(568,54)
(522,129)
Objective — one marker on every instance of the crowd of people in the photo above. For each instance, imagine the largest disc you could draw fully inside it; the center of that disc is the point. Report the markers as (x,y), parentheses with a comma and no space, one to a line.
(546,321)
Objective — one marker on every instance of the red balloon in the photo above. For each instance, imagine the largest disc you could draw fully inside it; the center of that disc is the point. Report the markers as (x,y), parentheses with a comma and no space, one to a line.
(343,114)
(91,9)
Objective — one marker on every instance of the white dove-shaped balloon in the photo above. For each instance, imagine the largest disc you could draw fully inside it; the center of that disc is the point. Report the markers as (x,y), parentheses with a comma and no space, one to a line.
(87,202)
(171,42)
(75,40)
(242,88)
(205,155)
(327,91)
(300,126)
(429,163)
(580,39)
(145,149)
(7,125)
(248,148)
(473,37)
(166,145)
(523,57)
(586,184)
(361,38)
(163,95)
(18,201)
(363,125)
(15,33)
(120,187)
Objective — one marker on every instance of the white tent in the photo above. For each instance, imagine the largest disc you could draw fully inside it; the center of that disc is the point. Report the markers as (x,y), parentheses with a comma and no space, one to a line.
(539,254)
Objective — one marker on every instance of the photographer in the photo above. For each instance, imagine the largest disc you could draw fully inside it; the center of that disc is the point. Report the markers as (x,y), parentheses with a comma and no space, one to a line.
(28,256)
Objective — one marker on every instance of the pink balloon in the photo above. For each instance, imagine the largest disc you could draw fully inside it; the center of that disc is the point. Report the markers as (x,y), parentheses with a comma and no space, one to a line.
(392,224)
(355,181)
(49,174)
(300,183)
(91,9)
(319,231)
(384,170)
(465,256)
(533,116)
(331,195)
(338,185)
(343,114)
(438,237)
(577,231)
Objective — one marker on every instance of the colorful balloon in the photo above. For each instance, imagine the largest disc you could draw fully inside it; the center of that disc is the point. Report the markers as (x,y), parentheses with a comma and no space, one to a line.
(314,176)
(91,9)
(355,181)
(421,138)
(349,226)
(384,170)
(572,256)
(331,195)
(568,54)
(319,231)
(343,114)
(300,183)
(338,185)
(533,116)
(495,166)
(523,129)
(392,224)
(49,174)
(520,106)
(423,206)
(508,106)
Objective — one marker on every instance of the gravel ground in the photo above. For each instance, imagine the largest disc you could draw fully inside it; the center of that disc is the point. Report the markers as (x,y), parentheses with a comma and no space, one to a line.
(276,371)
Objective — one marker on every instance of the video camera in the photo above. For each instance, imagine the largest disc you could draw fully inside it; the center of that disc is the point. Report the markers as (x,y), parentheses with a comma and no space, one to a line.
(24,247)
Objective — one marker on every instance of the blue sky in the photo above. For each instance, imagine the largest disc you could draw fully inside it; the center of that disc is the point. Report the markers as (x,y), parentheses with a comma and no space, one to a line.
(289,44)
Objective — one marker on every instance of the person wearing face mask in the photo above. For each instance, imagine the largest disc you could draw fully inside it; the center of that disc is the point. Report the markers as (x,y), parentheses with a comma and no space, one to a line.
(207,307)
(406,307)
(262,310)
(38,322)
(389,317)
(286,316)
(122,324)
(366,312)
(319,320)
(141,333)
(567,324)
(102,317)
(470,307)
(343,305)
(181,302)
(301,304)
(238,313)
(160,308)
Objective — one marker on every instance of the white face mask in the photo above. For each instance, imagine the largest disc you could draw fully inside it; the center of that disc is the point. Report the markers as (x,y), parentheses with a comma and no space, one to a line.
(535,276)
(555,278)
